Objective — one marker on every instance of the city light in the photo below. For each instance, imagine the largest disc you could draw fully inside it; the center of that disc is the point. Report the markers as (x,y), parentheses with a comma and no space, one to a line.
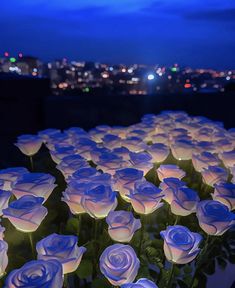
(6,54)
(151,77)
(12,59)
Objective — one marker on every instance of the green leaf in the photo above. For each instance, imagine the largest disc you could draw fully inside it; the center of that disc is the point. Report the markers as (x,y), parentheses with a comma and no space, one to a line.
(72,225)
(85,269)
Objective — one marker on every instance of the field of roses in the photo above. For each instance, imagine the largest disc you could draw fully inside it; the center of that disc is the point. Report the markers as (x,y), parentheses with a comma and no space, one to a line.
(145,206)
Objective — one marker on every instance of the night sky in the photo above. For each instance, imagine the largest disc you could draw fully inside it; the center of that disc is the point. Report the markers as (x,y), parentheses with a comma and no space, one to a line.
(199,33)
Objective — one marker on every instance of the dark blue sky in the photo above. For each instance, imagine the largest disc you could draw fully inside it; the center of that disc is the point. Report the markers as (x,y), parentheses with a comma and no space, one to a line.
(200,33)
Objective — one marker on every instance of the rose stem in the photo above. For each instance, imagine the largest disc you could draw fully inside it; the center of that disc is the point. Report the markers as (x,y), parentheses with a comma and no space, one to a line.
(177,219)
(66,281)
(198,263)
(171,274)
(79,217)
(31,163)
(31,243)
(141,233)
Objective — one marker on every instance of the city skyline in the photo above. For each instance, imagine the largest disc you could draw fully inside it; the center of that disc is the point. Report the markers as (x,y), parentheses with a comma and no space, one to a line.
(196,34)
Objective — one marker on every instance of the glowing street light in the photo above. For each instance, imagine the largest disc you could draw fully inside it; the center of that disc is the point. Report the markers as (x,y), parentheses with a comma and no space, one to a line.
(151,77)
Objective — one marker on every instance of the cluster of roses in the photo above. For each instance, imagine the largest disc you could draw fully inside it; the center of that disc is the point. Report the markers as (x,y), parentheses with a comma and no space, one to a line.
(122,156)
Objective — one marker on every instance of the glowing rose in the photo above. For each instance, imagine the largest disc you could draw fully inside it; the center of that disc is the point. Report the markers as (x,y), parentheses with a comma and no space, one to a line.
(110,162)
(84,174)
(47,133)
(146,197)
(142,161)
(96,152)
(122,225)
(119,264)
(122,152)
(134,144)
(36,273)
(184,201)
(214,175)
(3,257)
(141,283)
(70,164)
(63,248)
(180,244)
(83,147)
(159,152)
(29,144)
(167,171)
(36,184)
(4,199)
(204,160)
(182,149)
(228,158)
(214,217)
(169,186)
(60,152)
(125,180)
(111,141)
(26,213)
(99,201)
(225,193)
(10,175)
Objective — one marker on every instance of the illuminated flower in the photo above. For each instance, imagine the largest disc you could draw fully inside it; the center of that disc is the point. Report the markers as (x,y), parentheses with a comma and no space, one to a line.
(111,141)
(84,174)
(168,171)
(96,152)
(225,193)
(214,217)
(142,161)
(159,152)
(36,184)
(29,144)
(146,197)
(182,149)
(110,162)
(10,175)
(47,133)
(204,160)
(141,283)
(36,273)
(4,199)
(122,152)
(214,175)
(125,180)
(63,248)
(180,244)
(184,201)
(70,164)
(169,186)
(134,144)
(119,264)
(99,201)
(83,147)
(122,225)
(26,213)
(3,257)
(228,158)
(60,152)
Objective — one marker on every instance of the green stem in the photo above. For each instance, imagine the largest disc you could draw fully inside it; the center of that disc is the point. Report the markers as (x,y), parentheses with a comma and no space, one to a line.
(31,243)
(142,219)
(31,163)
(200,259)
(171,275)
(66,281)
(177,219)
(79,217)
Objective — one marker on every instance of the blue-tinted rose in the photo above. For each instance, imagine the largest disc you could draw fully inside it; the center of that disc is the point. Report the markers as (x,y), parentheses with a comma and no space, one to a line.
(180,244)
(4,199)
(63,248)
(99,201)
(122,225)
(35,274)
(225,193)
(214,217)
(119,264)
